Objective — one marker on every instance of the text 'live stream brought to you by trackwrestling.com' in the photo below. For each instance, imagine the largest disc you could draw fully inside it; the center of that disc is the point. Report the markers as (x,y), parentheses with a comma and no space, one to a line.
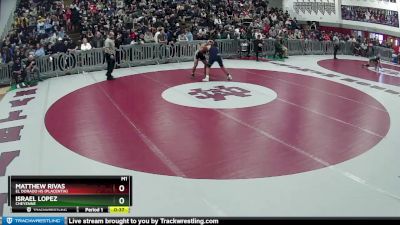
(106,220)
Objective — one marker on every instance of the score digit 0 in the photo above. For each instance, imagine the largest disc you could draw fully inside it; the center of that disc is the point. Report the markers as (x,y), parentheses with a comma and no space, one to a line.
(121,188)
(121,200)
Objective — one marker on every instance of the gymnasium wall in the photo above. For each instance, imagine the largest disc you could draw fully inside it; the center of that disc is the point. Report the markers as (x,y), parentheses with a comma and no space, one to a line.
(7,7)
(275,4)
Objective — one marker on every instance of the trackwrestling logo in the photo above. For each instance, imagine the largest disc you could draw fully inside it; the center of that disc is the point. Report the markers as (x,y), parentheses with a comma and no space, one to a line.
(219,95)
(33,220)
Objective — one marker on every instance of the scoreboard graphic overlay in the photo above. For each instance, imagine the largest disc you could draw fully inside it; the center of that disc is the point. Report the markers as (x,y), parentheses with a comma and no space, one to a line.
(86,194)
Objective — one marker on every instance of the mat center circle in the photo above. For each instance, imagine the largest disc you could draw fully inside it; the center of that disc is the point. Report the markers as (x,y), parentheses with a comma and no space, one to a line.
(219,95)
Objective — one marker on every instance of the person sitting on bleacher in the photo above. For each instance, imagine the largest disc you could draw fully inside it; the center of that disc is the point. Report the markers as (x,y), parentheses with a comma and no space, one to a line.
(32,69)
(285,50)
(364,49)
(18,73)
(278,48)
(357,49)
(395,55)
(5,55)
(85,46)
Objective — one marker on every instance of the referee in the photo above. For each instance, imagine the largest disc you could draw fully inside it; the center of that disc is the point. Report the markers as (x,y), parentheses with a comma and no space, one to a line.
(258,46)
(336,44)
(109,49)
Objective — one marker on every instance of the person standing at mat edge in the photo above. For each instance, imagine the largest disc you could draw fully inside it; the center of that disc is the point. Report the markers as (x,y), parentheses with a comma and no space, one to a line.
(336,43)
(258,46)
(109,49)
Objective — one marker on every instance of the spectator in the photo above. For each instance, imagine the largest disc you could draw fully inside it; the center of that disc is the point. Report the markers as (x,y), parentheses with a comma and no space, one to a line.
(59,47)
(313,26)
(85,45)
(67,18)
(202,33)
(18,73)
(291,36)
(157,34)
(357,49)
(364,48)
(89,35)
(70,45)
(182,37)
(40,26)
(18,54)
(162,37)
(189,35)
(257,33)
(32,69)
(359,39)
(396,54)
(352,39)
(39,50)
(170,36)
(298,34)
(294,24)
(272,33)
(326,37)
(5,55)
(148,37)
(98,40)
(278,48)
(48,27)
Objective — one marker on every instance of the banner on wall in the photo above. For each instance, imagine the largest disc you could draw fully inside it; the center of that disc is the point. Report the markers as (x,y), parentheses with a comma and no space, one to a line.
(314,7)
(314,10)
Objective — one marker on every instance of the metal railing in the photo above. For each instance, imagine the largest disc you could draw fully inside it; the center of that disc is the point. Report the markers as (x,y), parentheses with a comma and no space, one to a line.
(305,47)
(150,54)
